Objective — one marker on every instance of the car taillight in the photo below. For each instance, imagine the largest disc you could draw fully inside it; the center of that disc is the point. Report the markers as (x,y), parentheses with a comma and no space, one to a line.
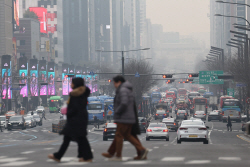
(149,130)
(185,113)
(165,114)
(103,114)
(177,113)
(167,111)
(165,130)
(183,128)
(222,112)
(202,128)
(156,114)
(105,130)
(204,114)
(174,123)
(195,114)
(239,113)
(144,123)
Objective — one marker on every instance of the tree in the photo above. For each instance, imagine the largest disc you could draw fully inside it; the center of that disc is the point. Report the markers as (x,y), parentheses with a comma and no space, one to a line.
(140,84)
(30,14)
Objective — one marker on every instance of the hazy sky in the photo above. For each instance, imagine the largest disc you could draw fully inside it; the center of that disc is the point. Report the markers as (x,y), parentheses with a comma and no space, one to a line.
(184,16)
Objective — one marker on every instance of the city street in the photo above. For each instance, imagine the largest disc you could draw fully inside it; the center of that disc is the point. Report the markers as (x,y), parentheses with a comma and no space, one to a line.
(30,147)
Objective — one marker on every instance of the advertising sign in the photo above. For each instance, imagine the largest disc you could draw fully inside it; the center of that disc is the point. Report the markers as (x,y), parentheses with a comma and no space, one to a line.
(43,77)
(71,71)
(65,84)
(78,71)
(15,8)
(51,78)
(6,73)
(42,16)
(23,73)
(33,77)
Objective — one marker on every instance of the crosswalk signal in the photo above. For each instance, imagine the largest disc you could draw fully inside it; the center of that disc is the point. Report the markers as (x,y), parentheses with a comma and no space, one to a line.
(193,75)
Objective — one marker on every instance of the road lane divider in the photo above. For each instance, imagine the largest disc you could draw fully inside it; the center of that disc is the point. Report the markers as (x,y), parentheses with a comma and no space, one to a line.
(243,137)
(34,137)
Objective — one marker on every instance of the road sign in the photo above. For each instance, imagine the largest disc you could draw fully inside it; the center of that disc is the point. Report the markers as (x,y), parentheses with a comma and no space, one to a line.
(241,85)
(110,109)
(137,74)
(15,88)
(195,81)
(210,77)
(91,73)
(230,92)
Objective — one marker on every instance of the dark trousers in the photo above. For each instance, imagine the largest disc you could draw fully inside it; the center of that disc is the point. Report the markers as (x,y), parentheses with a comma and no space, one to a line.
(84,150)
(44,117)
(123,131)
(1,127)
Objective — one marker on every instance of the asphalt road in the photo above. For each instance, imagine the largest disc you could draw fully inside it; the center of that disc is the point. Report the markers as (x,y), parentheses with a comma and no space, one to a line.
(30,148)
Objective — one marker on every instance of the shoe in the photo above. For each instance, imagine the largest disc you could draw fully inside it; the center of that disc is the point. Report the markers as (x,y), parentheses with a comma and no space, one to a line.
(139,158)
(144,154)
(115,158)
(51,156)
(107,155)
(82,160)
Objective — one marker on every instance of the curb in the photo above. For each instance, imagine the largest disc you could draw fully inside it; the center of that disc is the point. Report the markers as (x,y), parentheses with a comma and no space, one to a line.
(244,137)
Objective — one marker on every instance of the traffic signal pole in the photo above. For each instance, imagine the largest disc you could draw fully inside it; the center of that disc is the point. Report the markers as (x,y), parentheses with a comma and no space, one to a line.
(122,63)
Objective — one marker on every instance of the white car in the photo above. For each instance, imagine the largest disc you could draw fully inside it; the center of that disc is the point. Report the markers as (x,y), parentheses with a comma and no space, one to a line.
(157,131)
(200,114)
(39,109)
(34,113)
(192,130)
(3,122)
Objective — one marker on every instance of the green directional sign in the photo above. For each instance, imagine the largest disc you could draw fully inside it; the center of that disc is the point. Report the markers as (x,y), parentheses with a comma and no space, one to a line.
(230,92)
(210,77)
(195,81)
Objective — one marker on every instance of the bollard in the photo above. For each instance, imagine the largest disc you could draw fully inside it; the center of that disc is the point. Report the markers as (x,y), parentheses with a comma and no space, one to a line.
(248,128)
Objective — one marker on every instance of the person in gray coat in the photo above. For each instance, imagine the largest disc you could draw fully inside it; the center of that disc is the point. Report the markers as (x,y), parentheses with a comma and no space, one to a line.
(125,118)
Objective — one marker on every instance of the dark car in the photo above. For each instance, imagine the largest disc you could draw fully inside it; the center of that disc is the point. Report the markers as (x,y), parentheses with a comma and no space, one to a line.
(16,122)
(143,124)
(160,114)
(214,116)
(180,114)
(109,131)
(171,123)
(38,119)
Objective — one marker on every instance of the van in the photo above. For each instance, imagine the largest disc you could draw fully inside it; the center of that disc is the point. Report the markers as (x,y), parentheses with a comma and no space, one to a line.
(234,115)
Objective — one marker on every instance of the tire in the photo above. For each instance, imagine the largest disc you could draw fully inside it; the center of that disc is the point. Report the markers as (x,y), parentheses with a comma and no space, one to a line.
(9,129)
(167,139)
(205,142)
(147,138)
(209,120)
(175,130)
(105,139)
(178,141)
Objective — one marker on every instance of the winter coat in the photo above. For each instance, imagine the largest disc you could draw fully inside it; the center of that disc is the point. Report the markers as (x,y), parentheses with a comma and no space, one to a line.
(136,127)
(124,104)
(229,123)
(77,115)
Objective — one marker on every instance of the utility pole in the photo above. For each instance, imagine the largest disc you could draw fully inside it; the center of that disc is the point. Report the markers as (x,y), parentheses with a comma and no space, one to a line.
(122,63)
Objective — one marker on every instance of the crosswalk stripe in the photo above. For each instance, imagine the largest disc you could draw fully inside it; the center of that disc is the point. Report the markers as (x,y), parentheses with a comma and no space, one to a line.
(173,159)
(136,162)
(73,163)
(18,163)
(27,152)
(11,159)
(230,158)
(198,162)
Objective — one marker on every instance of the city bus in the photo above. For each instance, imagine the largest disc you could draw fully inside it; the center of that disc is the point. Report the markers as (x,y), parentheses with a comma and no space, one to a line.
(199,104)
(55,103)
(96,108)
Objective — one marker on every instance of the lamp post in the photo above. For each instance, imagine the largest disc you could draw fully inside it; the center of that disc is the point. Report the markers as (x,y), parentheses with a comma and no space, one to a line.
(234,3)
(222,55)
(233,17)
(123,55)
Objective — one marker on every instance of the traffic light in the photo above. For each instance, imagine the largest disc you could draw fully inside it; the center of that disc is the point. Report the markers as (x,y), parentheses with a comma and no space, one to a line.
(167,76)
(193,75)
(170,81)
(189,80)
(109,80)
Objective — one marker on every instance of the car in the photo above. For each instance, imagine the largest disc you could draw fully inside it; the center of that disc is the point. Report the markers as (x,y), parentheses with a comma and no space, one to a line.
(30,122)
(160,114)
(16,122)
(214,116)
(180,114)
(40,109)
(192,130)
(170,123)
(234,115)
(143,124)
(3,122)
(200,114)
(157,131)
(10,114)
(38,120)
(109,131)
(34,113)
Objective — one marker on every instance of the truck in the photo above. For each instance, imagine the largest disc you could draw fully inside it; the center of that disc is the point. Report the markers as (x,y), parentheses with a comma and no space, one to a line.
(213,102)
(199,104)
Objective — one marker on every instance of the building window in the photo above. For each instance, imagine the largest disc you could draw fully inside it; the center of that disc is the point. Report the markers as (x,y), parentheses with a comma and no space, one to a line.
(55,40)
(22,54)
(55,2)
(22,42)
(56,53)
(24,5)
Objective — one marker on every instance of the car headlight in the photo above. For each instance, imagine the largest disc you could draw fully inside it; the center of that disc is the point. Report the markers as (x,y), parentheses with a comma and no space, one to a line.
(9,123)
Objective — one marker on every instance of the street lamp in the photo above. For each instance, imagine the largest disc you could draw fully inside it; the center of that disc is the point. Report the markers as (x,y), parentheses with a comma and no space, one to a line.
(234,3)
(123,55)
(233,17)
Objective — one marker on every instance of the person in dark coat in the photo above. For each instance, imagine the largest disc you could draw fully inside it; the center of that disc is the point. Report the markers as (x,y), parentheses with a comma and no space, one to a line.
(77,121)
(125,117)
(229,124)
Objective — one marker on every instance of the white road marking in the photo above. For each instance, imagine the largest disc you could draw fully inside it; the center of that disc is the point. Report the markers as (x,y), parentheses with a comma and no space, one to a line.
(92,150)
(150,150)
(34,130)
(73,163)
(2,157)
(166,145)
(174,140)
(18,163)
(64,159)
(198,162)
(235,130)
(220,130)
(27,152)
(136,162)
(173,159)
(156,147)
(230,158)
(11,159)
(48,148)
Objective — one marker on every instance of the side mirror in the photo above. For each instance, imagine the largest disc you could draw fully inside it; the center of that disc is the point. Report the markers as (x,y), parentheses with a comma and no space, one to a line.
(207,127)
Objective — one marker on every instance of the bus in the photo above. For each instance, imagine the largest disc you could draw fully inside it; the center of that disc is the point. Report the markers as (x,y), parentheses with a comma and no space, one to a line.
(55,103)
(182,92)
(232,108)
(201,90)
(172,95)
(155,97)
(96,108)
(199,104)
(223,98)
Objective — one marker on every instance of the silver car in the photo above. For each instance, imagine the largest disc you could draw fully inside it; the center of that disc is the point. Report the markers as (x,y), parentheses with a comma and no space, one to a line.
(30,122)
(200,114)
(157,131)
(3,122)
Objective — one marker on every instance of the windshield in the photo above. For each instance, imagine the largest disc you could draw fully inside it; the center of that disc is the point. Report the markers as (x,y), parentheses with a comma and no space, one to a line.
(231,103)
(94,106)
(192,123)
(15,118)
(156,96)
(11,112)
(109,103)
(182,91)
(54,103)
(27,118)
(40,107)
(157,125)
(160,112)
(170,93)
(194,94)
(200,101)
(2,118)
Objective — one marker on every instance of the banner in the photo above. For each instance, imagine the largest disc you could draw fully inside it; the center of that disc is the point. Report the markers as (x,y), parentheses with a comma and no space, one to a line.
(51,78)
(23,73)
(78,71)
(65,84)
(6,73)
(42,77)
(33,87)
(71,71)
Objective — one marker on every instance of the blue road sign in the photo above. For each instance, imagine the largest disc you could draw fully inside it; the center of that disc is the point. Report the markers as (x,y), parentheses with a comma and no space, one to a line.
(111,107)
(91,73)
(241,85)
(137,74)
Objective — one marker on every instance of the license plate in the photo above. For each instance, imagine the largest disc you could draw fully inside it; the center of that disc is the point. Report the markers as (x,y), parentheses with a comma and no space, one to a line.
(193,136)
(112,133)
(231,115)
(169,127)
